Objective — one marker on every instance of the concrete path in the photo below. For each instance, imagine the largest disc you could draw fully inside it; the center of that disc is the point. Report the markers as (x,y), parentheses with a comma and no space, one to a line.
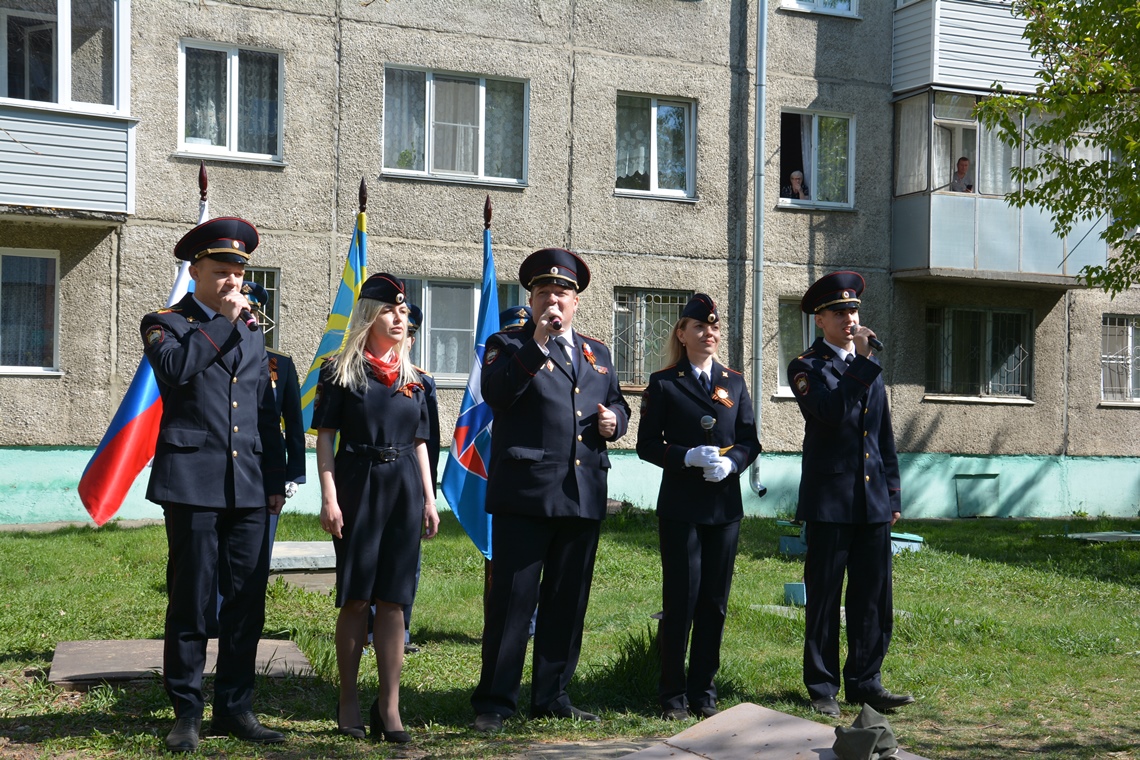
(750,732)
(81,665)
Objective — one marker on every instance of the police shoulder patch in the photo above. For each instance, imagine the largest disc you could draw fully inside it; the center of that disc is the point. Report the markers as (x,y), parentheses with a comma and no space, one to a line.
(491,355)
(800,383)
(154,335)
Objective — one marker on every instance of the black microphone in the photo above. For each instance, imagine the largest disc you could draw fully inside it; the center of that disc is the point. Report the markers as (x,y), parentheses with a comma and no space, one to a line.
(249,320)
(875,343)
(707,422)
(556,323)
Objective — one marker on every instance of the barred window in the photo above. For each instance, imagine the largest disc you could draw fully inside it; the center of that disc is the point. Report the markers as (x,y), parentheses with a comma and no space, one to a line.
(1120,358)
(643,319)
(978,352)
(268,314)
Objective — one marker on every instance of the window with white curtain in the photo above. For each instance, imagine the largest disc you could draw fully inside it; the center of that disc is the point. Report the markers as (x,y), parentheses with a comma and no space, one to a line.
(797,331)
(445,343)
(979,352)
(231,101)
(29,310)
(912,144)
(1120,358)
(455,126)
(833,7)
(820,146)
(656,146)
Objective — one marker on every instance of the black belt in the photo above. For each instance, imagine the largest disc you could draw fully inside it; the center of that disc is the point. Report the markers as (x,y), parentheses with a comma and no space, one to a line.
(378,453)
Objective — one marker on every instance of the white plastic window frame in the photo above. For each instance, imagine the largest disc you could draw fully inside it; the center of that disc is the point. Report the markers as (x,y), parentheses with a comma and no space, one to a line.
(808,333)
(54,370)
(422,297)
(818,6)
(690,191)
(814,185)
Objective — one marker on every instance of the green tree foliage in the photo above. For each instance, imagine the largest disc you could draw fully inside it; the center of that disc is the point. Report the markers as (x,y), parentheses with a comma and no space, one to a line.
(1089,142)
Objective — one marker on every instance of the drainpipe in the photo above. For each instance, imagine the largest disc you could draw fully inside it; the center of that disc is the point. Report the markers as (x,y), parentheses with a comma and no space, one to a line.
(758,231)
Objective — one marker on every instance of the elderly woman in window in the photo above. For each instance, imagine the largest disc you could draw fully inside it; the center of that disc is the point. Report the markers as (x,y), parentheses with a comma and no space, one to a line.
(797,190)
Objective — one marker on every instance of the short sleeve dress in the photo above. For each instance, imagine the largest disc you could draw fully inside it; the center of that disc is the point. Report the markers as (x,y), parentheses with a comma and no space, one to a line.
(378,484)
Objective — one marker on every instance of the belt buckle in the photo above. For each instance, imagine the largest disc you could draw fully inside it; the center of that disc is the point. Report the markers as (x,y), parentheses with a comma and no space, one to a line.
(389,454)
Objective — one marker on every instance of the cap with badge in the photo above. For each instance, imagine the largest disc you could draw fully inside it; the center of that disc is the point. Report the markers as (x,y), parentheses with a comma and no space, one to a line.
(701,308)
(415,318)
(255,293)
(226,238)
(836,291)
(514,317)
(554,265)
(384,287)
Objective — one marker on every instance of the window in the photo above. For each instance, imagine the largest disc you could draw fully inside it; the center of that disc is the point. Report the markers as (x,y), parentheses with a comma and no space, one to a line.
(511,295)
(955,138)
(818,146)
(1120,358)
(797,332)
(643,320)
(445,343)
(455,126)
(78,62)
(656,146)
(978,352)
(269,313)
(231,101)
(834,7)
(29,310)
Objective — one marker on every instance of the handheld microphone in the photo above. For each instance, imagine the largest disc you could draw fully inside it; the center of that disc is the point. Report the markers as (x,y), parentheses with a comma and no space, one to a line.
(249,320)
(707,422)
(875,343)
(556,323)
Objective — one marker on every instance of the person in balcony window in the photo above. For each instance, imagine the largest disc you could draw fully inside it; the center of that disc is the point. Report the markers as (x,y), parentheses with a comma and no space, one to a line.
(797,190)
(699,506)
(960,182)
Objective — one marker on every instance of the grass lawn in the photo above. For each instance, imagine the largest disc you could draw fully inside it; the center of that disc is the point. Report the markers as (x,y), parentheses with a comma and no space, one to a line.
(1015,640)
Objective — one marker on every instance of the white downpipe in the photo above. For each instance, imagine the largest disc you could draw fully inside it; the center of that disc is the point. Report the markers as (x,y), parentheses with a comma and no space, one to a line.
(758,230)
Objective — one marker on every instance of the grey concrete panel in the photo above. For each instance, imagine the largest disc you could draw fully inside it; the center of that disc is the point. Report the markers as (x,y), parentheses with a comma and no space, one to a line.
(660,30)
(542,23)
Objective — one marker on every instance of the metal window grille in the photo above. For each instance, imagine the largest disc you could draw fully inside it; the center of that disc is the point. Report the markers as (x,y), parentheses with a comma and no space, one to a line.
(269,313)
(978,352)
(643,320)
(1120,358)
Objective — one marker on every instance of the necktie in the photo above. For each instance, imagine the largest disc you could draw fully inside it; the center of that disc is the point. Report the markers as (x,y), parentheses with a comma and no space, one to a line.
(569,352)
(849,358)
(706,382)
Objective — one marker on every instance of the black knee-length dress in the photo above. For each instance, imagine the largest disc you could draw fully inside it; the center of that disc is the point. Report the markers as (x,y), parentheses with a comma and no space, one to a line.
(379,487)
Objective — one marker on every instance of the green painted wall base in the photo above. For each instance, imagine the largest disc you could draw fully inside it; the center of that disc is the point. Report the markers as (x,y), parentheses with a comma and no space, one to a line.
(39,485)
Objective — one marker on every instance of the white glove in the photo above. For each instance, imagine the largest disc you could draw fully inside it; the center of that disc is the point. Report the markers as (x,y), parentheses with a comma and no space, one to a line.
(719,469)
(701,456)
(290,489)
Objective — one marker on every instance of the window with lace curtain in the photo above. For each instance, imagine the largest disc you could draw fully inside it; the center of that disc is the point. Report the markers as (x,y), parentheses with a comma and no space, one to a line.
(816,159)
(455,126)
(231,101)
(29,310)
(656,146)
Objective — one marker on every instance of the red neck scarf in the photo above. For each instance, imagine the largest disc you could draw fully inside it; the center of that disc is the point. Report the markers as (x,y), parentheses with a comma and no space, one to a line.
(385,371)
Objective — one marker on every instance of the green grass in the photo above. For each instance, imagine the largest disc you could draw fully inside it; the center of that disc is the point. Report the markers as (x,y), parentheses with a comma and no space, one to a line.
(1015,641)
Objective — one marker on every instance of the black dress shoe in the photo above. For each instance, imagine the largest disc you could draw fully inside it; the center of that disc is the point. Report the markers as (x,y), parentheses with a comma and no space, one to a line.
(184,736)
(488,723)
(885,700)
(707,711)
(379,733)
(356,732)
(569,711)
(676,713)
(246,727)
(826,706)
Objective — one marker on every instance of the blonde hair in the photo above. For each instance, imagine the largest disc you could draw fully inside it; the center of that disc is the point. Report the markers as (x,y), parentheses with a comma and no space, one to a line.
(675,350)
(350,362)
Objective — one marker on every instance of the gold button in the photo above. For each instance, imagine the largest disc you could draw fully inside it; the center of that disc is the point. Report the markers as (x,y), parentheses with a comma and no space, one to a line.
(577,462)
(579,412)
(234,380)
(867,478)
(235,428)
(235,455)
(864,433)
(865,456)
(577,390)
(866,410)
(234,405)
(579,438)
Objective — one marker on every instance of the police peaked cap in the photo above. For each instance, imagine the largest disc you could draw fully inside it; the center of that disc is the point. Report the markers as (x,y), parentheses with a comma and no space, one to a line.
(701,308)
(226,238)
(835,291)
(554,265)
(384,287)
(255,293)
(513,316)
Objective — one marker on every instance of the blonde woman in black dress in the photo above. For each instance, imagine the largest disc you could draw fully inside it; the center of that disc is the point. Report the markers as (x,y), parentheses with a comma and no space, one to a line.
(376,494)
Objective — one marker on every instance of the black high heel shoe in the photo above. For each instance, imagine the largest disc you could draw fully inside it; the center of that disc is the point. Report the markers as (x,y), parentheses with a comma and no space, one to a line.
(379,733)
(356,732)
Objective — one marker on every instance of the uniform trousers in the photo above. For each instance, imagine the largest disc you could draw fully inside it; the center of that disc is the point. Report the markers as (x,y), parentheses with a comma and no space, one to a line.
(696,574)
(234,543)
(560,551)
(863,551)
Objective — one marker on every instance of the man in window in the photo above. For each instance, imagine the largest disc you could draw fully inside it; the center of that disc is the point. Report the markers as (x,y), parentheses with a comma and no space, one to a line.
(797,190)
(959,183)
(555,396)
(849,498)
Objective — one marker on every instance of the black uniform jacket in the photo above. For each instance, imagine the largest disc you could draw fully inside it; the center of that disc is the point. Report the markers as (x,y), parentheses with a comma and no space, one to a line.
(671,412)
(433,442)
(287,395)
(547,457)
(848,439)
(219,441)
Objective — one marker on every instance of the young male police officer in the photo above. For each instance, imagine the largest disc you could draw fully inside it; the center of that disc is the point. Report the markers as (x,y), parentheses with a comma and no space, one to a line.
(554,393)
(218,472)
(849,499)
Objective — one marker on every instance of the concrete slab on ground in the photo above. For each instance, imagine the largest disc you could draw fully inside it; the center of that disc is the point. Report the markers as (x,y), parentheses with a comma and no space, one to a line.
(318,583)
(751,732)
(606,749)
(81,665)
(302,555)
(1108,536)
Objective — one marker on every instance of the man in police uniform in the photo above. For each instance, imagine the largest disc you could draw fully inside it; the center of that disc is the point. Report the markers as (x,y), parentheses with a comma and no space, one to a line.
(218,472)
(849,499)
(555,397)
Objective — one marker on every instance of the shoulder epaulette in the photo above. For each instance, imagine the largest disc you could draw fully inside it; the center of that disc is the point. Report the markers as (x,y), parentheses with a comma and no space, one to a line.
(591,337)
(806,354)
(167,310)
(735,372)
(421,370)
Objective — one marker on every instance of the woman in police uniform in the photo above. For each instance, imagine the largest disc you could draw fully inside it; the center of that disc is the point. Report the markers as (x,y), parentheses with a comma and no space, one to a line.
(375,494)
(699,506)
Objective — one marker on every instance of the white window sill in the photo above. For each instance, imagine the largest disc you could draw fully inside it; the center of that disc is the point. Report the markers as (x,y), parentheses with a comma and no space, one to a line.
(786,204)
(29,372)
(983,400)
(231,158)
(821,12)
(783,393)
(655,196)
(1119,404)
(102,112)
(454,179)
(454,382)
